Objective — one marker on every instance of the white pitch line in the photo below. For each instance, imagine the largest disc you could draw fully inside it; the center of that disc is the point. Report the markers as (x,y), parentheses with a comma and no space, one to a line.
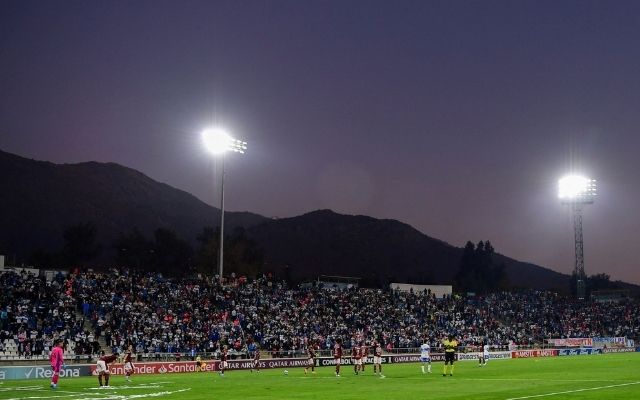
(24,388)
(114,396)
(543,380)
(141,386)
(66,396)
(573,391)
(457,378)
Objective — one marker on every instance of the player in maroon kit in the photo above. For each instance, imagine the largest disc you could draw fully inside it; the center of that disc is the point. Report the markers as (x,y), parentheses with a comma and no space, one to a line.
(128,363)
(311,361)
(356,358)
(364,353)
(224,356)
(102,367)
(337,355)
(377,358)
(256,360)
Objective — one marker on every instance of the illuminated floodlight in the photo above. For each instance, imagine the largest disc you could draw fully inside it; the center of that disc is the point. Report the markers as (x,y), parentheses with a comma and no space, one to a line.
(218,141)
(576,189)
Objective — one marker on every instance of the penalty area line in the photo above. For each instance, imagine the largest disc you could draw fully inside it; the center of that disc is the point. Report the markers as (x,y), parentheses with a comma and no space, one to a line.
(573,391)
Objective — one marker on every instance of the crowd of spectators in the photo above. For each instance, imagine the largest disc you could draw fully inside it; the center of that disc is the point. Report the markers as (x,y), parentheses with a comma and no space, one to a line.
(34,312)
(200,314)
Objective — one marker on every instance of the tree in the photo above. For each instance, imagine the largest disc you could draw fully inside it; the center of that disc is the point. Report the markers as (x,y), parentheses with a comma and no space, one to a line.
(134,251)
(172,255)
(80,245)
(241,254)
(465,275)
(207,254)
(477,272)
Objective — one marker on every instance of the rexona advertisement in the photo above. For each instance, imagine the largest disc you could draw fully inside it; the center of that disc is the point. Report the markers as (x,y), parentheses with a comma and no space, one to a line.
(41,372)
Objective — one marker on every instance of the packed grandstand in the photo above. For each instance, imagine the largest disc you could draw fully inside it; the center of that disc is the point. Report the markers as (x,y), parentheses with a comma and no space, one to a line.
(157,315)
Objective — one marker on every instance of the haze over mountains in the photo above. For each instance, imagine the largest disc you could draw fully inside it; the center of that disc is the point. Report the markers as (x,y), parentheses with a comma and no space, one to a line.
(38,200)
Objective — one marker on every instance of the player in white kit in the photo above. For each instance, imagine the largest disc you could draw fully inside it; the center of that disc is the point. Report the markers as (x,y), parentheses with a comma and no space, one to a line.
(425,356)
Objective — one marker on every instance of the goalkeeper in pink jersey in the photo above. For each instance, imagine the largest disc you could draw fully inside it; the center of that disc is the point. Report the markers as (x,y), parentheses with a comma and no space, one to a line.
(57,362)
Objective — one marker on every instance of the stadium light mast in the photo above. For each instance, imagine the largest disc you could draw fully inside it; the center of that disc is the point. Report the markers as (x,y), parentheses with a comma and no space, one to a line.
(218,142)
(577,191)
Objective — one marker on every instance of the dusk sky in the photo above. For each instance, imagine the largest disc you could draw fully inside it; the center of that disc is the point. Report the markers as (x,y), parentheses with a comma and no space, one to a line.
(456,117)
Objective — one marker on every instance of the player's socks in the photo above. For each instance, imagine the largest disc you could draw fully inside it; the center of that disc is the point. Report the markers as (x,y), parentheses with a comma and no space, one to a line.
(444,370)
(100,380)
(451,370)
(422,366)
(429,368)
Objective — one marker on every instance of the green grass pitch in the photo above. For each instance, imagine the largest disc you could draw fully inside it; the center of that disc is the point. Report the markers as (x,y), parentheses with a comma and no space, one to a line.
(611,376)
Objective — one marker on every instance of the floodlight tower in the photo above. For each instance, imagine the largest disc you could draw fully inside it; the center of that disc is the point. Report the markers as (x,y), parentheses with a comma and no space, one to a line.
(577,191)
(218,142)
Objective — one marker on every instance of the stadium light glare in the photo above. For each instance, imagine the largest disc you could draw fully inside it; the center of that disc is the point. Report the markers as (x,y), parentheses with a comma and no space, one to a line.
(577,191)
(576,188)
(217,141)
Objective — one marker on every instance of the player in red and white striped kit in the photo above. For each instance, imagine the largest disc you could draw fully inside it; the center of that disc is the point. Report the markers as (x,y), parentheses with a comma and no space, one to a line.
(364,353)
(356,358)
(337,355)
(256,359)
(224,356)
(128,363)
(377,358)
(311,361)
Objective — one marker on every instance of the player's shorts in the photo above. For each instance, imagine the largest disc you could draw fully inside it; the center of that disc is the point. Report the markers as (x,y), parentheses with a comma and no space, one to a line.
(425,359)
(377,360)
(224,365)
(449,356)
(101,367)
(338,361)
(364,360)
(358,361)
(128,366)
(311,362)
(486,356)
(56,369)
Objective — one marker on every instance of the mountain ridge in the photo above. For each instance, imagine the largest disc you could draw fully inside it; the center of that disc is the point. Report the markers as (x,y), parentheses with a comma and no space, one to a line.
(322,242)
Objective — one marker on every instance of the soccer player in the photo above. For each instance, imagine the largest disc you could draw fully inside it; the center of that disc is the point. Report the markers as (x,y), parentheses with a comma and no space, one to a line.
(57,362)
(425,355)
(102,368)
(200,366)
(355,356)
(256,359)
(337,354)
(311,361)
(224,355)
(377,358)
(364,353)
(485,353)
(128,364)
(450,345)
